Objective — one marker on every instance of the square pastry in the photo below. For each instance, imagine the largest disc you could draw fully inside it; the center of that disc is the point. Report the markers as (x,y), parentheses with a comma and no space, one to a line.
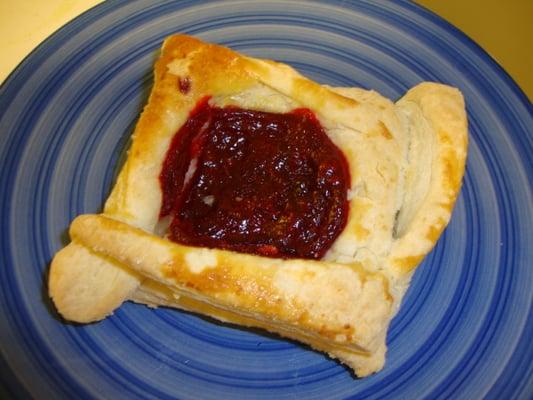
(258,197)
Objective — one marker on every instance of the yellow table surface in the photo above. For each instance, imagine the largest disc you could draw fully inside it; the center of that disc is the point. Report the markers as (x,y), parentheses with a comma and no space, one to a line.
(502,28)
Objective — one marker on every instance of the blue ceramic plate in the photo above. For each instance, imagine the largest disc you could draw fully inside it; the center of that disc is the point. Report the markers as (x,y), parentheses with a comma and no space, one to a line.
(66,114)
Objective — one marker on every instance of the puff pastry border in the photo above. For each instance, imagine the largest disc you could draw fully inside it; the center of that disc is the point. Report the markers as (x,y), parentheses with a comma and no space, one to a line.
(341,305)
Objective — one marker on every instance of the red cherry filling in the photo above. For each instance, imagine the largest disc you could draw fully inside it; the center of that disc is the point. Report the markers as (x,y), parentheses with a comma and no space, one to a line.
(255,182)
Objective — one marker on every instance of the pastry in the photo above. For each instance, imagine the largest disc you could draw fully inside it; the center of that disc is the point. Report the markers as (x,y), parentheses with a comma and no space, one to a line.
(258,197)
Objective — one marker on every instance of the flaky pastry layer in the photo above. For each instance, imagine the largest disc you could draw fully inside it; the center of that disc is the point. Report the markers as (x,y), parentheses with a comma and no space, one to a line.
(406,161)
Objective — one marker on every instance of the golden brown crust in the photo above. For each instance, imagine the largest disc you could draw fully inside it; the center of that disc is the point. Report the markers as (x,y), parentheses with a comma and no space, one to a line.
(442,107)
(85,294)
(339,303)
(406,163)
(155,294)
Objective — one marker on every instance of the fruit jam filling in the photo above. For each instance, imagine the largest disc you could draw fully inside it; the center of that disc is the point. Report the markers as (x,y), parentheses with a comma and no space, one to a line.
(255,182)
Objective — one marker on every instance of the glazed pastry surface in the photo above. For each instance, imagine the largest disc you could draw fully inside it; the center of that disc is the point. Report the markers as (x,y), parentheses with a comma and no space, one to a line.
(405,162)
